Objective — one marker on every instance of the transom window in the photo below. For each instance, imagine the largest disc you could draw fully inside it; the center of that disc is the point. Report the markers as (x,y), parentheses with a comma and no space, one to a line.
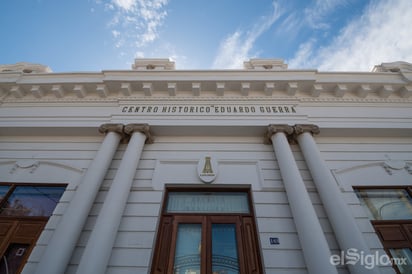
(207,202)
(207,230)
(387,204)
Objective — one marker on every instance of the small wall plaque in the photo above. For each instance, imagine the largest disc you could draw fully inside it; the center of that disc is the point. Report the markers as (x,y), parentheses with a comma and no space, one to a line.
(274,240)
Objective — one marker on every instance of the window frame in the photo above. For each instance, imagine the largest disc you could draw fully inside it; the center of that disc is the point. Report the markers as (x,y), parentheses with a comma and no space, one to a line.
(246,231)
(400,224)
(23,229)
(11,190)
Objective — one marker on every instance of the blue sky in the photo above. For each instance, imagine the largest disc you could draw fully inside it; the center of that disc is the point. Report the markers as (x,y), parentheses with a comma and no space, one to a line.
(95,35)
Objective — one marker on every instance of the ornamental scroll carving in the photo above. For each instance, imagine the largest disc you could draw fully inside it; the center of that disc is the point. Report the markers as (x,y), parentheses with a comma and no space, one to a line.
(301,128)
(272,129)
(127,130)
(291,131)
(143,128)
(118,128)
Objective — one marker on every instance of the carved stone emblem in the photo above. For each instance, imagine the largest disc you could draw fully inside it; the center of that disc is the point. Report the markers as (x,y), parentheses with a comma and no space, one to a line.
(207,169)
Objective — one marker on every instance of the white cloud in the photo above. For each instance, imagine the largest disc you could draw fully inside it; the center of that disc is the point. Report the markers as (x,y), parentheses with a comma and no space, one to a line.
(315,15)
(136,23)
(125,4)
(115,33)
(382,34)
(235,49)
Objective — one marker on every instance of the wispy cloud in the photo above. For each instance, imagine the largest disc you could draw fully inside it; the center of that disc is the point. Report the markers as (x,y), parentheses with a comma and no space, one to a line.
(236,47)
(135,23)
(382,34)
(315,15)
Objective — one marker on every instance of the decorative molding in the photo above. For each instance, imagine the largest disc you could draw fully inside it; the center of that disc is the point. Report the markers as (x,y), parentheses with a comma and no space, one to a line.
(371,174)
(393,67)
(172,89)
(129,129)
(80,91)
(31,165)
(292,88)
(220,89)
(301,128)
(363,90)
(340,90)
(153,64)
(273,129)
(17,91)
(245,88)
(25,67)
(310,91)
(385,91)
(406,91)
(37,91)
(102,90)
(58,91)
(316,90)
(354,100)
(265,64)
(118,128)
(391,166)
(126,89)
(269,88)
(408,168)
(147,89)
(196,88)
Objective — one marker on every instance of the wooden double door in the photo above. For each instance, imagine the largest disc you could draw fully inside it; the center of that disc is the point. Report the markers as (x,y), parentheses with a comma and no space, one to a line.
(207,230)
(17,239)
(199,244)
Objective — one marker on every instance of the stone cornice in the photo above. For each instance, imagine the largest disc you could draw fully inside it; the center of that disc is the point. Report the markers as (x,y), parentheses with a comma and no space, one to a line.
(143,128)
(212,83)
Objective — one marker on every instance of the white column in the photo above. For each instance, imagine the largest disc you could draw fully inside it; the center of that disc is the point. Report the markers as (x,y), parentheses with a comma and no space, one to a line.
(312,239)
(99,247)
(344,225)
(61,245)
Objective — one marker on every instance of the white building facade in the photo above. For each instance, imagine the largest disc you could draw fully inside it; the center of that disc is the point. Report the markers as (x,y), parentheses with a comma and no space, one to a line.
(158,170)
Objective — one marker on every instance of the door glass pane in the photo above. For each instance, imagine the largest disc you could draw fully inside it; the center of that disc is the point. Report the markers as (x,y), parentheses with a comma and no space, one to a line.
(188,247)
(403,259)
(32,201)
(224,249)
(207,202)
(13,258)
(386,204)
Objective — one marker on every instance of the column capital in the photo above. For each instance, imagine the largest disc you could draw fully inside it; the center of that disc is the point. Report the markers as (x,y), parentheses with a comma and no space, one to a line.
(105,128)
(301,128)
(273,128)
(129,129)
